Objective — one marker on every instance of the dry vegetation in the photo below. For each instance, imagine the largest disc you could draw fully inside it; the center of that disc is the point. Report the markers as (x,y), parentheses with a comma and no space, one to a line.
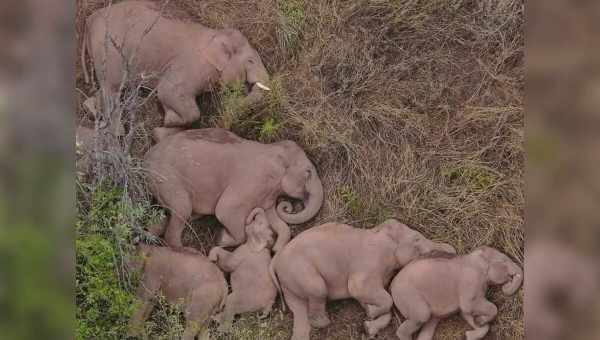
(409,108)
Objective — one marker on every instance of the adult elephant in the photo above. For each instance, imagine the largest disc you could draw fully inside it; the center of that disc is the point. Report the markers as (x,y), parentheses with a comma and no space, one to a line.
(215,172)
(181,59)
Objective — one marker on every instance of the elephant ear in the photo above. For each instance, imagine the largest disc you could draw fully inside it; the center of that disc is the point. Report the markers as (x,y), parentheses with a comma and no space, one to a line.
(498,273)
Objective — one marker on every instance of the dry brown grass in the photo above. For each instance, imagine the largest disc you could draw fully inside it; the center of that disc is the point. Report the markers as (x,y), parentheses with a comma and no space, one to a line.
(410,108)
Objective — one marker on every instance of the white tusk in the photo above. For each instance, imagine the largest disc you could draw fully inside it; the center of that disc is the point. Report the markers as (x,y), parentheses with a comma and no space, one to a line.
(261,86)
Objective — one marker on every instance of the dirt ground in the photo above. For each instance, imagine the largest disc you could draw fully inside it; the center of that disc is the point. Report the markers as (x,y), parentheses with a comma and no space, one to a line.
(409,108)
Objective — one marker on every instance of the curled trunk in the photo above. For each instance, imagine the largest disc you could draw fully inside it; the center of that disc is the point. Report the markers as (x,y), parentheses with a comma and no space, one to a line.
(513,285)
(312,203)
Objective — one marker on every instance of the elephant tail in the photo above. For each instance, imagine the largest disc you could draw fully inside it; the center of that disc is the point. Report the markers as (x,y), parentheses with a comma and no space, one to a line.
(276,281)
(84,47)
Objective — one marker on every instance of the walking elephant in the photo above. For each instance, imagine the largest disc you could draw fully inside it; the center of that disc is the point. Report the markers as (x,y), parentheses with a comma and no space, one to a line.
(336,261)
(181,59)
(215,172)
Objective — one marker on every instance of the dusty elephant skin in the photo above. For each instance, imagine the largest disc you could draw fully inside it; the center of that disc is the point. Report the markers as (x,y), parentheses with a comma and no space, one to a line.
(185,277)
(182,59)
(252,287)
(215,172)
(430,289)
(336,261)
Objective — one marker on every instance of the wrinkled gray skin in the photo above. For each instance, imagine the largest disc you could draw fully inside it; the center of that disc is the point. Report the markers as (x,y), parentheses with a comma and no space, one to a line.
(181,59)
(251,285)
(215,172)
(336,261)
(561,287)
(427,290)
(183,277)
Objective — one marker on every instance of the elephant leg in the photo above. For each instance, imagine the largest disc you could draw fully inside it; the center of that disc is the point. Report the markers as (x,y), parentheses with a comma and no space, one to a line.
(484,311)
(158,229)
(371,295)
(317,312)
(428,329)
(414,308)
(232,216)
(181,211)
(478,332)
(141,314)
(372,327)
(146,293)
(231,309)
(180,108)
(299,308)
(201,305)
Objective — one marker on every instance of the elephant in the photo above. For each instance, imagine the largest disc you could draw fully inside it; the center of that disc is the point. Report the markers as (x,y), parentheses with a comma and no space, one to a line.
(180,59)
(185,277)
(251,285)
(428,290)
(214,172)
(337,261)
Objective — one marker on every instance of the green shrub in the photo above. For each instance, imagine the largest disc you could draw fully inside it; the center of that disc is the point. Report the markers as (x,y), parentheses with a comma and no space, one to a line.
(104,285)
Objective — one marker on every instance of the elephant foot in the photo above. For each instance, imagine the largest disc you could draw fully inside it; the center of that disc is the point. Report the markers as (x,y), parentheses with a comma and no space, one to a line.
(161,133)
(478,333)
(372,327)
(320,321)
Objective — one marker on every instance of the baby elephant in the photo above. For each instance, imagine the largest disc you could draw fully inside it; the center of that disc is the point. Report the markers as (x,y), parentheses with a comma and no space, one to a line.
(252,287)
(185,277)
(430,289)
(336,261)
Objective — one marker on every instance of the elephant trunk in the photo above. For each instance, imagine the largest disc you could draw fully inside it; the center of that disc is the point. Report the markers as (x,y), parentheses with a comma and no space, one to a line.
(258,78)
(513,285)
(312,203)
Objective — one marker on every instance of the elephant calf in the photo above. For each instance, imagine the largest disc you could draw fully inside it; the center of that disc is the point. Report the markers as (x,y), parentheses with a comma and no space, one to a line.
(185,277)
(336,261)
(427,290)
(252,287)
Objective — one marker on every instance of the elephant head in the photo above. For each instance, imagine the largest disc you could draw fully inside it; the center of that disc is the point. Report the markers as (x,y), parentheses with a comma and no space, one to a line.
(410,244)
(258,232)
(501,270)
(300,181)
(237,60)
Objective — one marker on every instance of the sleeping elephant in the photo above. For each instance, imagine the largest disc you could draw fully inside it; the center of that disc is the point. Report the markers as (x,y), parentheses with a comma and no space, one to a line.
(336,261)
(180,59)
(215,172)
(428,290)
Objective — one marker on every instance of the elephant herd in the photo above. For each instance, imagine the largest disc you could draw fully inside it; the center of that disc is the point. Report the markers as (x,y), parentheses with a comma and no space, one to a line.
(251,188)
